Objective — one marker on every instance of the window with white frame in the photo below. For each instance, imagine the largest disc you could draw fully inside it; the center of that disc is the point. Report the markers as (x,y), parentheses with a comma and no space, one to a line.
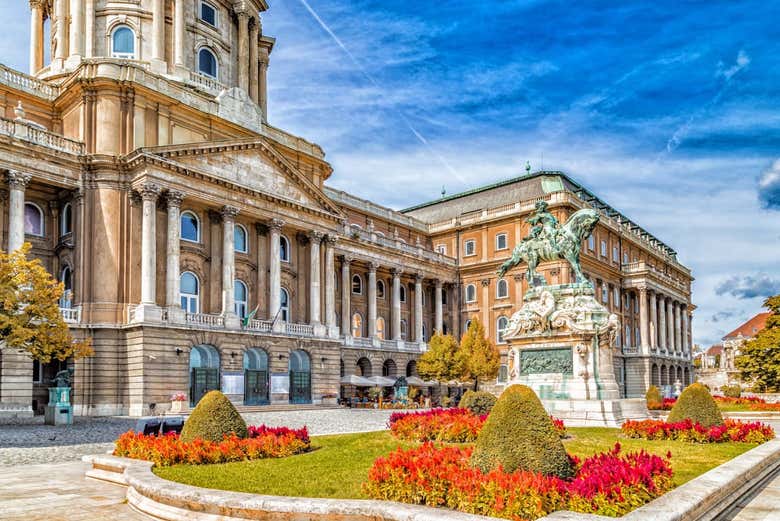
(190,227)
(189,292)
(471,293)
(501,242)
(501,325)
(591,242)
(284,305)
(636,335)
(616,297)
(123,43)
(625,257)
(404,329)
(66,277)
(240,239)
(604,293)
(208,13)
(380,289)
(628,335)
(603,248)
(240,294)
(207,63)
(284,249)
(467,325)
(357,284)
(470,247)
(502,288)
(33,220)
(66,220)
(380,328)
(615,254)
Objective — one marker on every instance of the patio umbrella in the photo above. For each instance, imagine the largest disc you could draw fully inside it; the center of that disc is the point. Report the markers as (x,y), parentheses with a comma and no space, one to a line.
(419,382)
(357,381)
(381,381)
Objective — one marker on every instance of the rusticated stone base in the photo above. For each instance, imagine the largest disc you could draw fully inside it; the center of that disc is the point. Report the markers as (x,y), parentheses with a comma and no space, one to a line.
(597,413)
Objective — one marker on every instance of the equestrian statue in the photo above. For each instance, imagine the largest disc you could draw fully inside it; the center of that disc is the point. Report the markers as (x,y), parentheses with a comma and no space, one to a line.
(548,241)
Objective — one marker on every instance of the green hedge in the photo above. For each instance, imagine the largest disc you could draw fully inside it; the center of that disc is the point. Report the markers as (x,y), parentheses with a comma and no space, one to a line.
(696,403)
(214,417)
(654,395)
(478,402)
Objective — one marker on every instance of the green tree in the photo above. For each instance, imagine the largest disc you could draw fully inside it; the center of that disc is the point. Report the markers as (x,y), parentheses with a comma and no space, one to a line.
(440,361)
(759,361)
(478,357)
(30,318)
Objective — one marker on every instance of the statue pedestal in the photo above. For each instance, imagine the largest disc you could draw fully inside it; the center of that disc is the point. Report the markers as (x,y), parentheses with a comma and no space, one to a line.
(561,345)
(59,410)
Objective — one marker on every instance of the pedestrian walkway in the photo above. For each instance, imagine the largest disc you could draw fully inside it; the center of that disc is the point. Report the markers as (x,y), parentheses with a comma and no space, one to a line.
(762,506)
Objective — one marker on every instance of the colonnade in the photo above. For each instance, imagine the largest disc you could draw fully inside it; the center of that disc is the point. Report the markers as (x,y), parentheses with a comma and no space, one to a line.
(664,323)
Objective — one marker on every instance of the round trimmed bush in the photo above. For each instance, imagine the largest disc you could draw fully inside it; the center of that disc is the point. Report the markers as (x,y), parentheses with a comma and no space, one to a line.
(731,391)
(654,395)
(519,435)
(696,403)
(213,418)
(478,402)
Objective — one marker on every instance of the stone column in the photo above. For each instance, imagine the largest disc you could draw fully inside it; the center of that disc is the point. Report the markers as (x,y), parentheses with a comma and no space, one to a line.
(346,306)
(396,303)
(158,30)
(653,320)
(228,260)
(17,182)
(179,25)
(77,28)
(149,194)
(254,33)
(643,321)
(439,319)
(315,294)
(662,343)
(173,249)
(418,308)
(677,328)
(243,50)
(372,299)
(684,328)
(330,285)
(670,326)
(36,36)
(89,29)
(274,268)
(262,87)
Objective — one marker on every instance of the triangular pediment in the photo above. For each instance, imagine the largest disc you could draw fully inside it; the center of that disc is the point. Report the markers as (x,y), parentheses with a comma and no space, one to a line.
(251,164)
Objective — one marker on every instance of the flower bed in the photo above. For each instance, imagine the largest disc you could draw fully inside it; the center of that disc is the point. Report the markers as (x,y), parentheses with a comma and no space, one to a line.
(610,483)
(731,430)
(751,403)
(444,425)
(665,405)
(264,442)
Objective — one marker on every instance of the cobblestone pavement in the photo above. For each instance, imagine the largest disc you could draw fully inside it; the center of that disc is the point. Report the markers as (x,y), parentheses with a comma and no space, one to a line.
(325,421)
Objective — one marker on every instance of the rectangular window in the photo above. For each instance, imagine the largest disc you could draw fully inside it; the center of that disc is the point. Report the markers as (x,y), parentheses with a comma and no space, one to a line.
(636,335)
(441,248)
(208,13)
(604,294)
(470,247)
(501,241)
(37,372)
(628,335)
(615,254)
(625,258)
(591,243)
(603,248)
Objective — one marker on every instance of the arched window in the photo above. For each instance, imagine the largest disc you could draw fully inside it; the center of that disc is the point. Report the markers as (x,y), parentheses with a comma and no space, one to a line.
(256,359)
(239,239)
(284,305)
(380,289)
(207,63)
(380,328)
(66,223)
(284,249)
(424,333)
(363,367)
(411,368)
(190,227)
(66,277)
(471,293)
(357,325)
(501,325)
(389,368)
(357,285)
(123,43)
(189,292)
(403,329)
(468,325)
(403,293)
(33,220)
(300,377)
(240,301)
(502,289)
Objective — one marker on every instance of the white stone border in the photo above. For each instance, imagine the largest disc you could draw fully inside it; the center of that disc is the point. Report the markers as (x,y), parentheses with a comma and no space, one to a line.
(701,499)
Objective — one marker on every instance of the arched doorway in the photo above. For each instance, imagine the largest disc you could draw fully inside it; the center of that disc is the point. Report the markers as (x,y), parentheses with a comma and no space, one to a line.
(204,371)
(664,375)
(389,368)
(363,367)
(300,377)
(411,368)
(655,376)
(687,377)
(255,376)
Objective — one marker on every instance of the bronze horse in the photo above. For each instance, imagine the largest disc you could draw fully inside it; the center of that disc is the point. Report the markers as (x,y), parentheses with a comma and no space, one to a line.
(565,244)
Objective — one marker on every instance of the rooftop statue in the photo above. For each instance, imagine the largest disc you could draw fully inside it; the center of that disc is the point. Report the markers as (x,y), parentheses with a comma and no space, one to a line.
(548,241)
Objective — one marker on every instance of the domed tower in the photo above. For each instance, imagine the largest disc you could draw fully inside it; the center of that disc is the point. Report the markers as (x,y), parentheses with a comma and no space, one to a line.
(211,45)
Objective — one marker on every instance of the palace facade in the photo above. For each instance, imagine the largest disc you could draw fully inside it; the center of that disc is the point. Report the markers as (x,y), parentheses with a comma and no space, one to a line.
(201,248)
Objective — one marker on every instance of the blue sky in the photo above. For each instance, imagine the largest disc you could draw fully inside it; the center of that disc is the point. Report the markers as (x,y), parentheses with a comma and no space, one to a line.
(668,110)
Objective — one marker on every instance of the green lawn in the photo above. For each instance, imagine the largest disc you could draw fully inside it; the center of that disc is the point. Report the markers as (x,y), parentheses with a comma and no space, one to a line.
(338,465)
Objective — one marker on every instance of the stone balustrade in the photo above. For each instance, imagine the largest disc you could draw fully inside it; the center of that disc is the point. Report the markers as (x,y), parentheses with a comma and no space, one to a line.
(204,319)
(33,133)
(71,315)
(211,85)
(28,84)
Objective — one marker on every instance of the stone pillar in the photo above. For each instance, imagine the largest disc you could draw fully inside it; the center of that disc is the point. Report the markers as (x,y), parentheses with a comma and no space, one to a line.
(670,326)
(77,28)
(418,308)
(89,29)
(243,50)
(149,194)
(61,30)
(372,299)
(315,294)
(653,320)
(677,328)
(262,87)
(179,26)
(662,343)
(330,285)
(396,304)
(684,327)
(254,33)
(439,319)
(346,309)
(36,36)
(643,321)
(173,249)
(274,268)
(228,260)
(17,182)
(158,30)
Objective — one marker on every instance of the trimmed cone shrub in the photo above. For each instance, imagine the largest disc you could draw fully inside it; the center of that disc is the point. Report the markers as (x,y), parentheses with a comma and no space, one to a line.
(478,402)
(653,395)
(212,419)
(519,435)
(696,403)
(731,391)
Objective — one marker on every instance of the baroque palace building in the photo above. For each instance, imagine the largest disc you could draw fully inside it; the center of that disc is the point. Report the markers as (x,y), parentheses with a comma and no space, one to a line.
(200,247)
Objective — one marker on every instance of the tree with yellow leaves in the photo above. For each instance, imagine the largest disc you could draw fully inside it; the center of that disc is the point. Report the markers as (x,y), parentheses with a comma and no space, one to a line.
(30,318)
(477,356)
(440,361)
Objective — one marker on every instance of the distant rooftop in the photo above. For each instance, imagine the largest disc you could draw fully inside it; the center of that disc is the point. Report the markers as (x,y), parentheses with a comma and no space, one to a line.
(751,327)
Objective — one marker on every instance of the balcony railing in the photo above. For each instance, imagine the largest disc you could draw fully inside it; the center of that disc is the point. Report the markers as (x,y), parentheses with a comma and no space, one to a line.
(31,132)
(263,326)
(397,244)
(204,319)
(27,83)
(71,315)
(206,83)
(298,329)
(631,350)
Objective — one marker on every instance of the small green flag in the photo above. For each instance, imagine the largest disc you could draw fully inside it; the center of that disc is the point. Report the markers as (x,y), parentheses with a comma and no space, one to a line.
(250,316)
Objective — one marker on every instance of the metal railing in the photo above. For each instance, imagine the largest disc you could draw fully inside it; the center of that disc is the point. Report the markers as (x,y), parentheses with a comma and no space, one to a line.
(30,132)
(71,315)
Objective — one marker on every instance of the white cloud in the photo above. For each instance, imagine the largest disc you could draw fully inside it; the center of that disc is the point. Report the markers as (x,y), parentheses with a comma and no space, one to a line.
(742,61)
